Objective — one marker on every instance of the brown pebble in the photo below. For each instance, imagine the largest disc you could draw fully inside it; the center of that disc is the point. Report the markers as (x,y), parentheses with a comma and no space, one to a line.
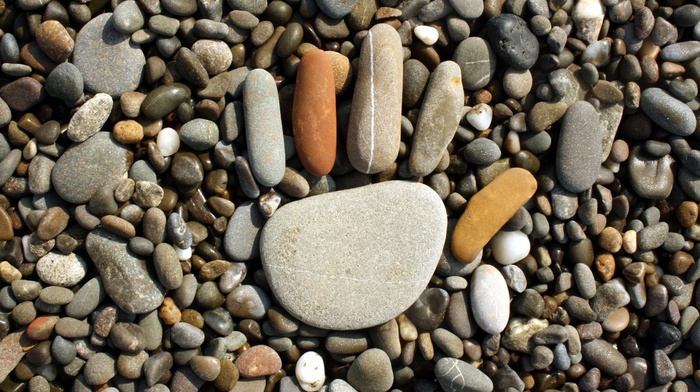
(6,230)
(687,213)
(169,312)
(605,265)
(128,132)
(193,317)
(118,226)
(258,361)
(313,115)
(213,269)
(42,327)
(52,223)
(680,263)
(610,239)
(228,376)
(54,40)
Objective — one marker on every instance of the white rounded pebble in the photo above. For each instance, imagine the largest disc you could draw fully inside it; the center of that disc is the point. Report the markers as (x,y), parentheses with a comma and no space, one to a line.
(509,247)
(183,254)
(168,141)
(480,116)
(310,371)
(428,34)
(490,299)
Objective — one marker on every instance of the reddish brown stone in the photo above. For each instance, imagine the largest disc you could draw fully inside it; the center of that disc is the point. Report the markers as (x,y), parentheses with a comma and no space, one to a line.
(32,55)
(54,40)
(313,113)
(22,93)
(42,327)
(687,213)
(489,209)
(258,361)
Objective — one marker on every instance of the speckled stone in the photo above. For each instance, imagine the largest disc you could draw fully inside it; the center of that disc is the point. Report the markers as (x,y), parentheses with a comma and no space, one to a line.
(107,59)
(57,269)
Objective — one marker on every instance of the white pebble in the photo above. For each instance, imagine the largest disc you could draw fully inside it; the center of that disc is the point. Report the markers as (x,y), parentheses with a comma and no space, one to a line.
(588,16)
(168,141)
(509,247)
(480,116)
(183,254)
(310,371)
(429,35)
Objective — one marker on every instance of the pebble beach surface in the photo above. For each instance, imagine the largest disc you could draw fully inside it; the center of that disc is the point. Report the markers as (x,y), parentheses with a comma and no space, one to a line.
(349,195)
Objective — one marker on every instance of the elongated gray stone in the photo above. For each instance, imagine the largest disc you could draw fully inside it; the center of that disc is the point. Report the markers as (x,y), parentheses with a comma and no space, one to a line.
(438,118)
(579,150)
(263,125)
(374,131)
(331,257)
(86,167)
(125,277)
(668,112)
(455,375)
(242,237)
(603,355)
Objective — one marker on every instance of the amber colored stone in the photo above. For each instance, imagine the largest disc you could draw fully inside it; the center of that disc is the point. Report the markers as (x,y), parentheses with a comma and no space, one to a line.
(6,230)
(313,113)
(258,361)
(687,213)
(489,209)
(605,265)
(54,40)
(128,132)
(41,328)
(169,312)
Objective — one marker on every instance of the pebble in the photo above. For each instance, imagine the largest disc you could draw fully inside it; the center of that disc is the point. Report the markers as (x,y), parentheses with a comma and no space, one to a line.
(126,280)
(512,40)
(186,335)
(90,118)
(127,17)
(61,270)
(482,151)
(509,247)
(107,59)
(438,118)
(650,178)
(455,375)
(314,113)
(373,135)
(668,112)
(257,361)
(22,94)
(86,167)
(242,237)
(489,210)
(489,299)
(588,17)
(199,134)
(578,152)
(477,61)
(371,371)
(248,302)
(294,250)
(310,371)
(263,128)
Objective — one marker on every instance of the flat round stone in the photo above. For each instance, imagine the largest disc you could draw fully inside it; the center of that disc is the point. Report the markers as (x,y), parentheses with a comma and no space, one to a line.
(330,257)
(86,167)
(108,60)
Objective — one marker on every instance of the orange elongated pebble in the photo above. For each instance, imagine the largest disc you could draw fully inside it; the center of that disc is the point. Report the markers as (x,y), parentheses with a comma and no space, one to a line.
(313,113)
(489,209)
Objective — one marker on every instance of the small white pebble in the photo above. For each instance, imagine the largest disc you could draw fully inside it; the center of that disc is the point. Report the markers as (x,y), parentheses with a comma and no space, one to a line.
(480,116)
(183,254)
(168,141)
(310,371)
(509,247)
(429,35)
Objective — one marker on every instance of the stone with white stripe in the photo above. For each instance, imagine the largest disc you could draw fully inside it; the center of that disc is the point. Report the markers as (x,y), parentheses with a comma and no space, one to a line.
(455,375)
(477,60)
(374,131)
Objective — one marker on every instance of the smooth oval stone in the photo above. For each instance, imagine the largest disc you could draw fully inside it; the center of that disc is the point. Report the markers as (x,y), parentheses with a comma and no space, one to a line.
(455,375)
(604,356)
(65,82)
(511,39)
(86,167)
(22,94)
(319,253)
(90,118)
(477,61)
(128,17)
(438,118)
(374,130)
(164,99)
(263,125)
(579,150)
(57,269)
(242,237)
(313,113)
(668,112)
(468,9)
(125,277)
(490,299)
(108,60)
(199,134)
(489,209)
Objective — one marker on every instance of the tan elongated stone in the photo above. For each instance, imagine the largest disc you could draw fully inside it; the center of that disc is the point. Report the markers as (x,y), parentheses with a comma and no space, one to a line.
(313,113)
(489,209)
(374,131)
